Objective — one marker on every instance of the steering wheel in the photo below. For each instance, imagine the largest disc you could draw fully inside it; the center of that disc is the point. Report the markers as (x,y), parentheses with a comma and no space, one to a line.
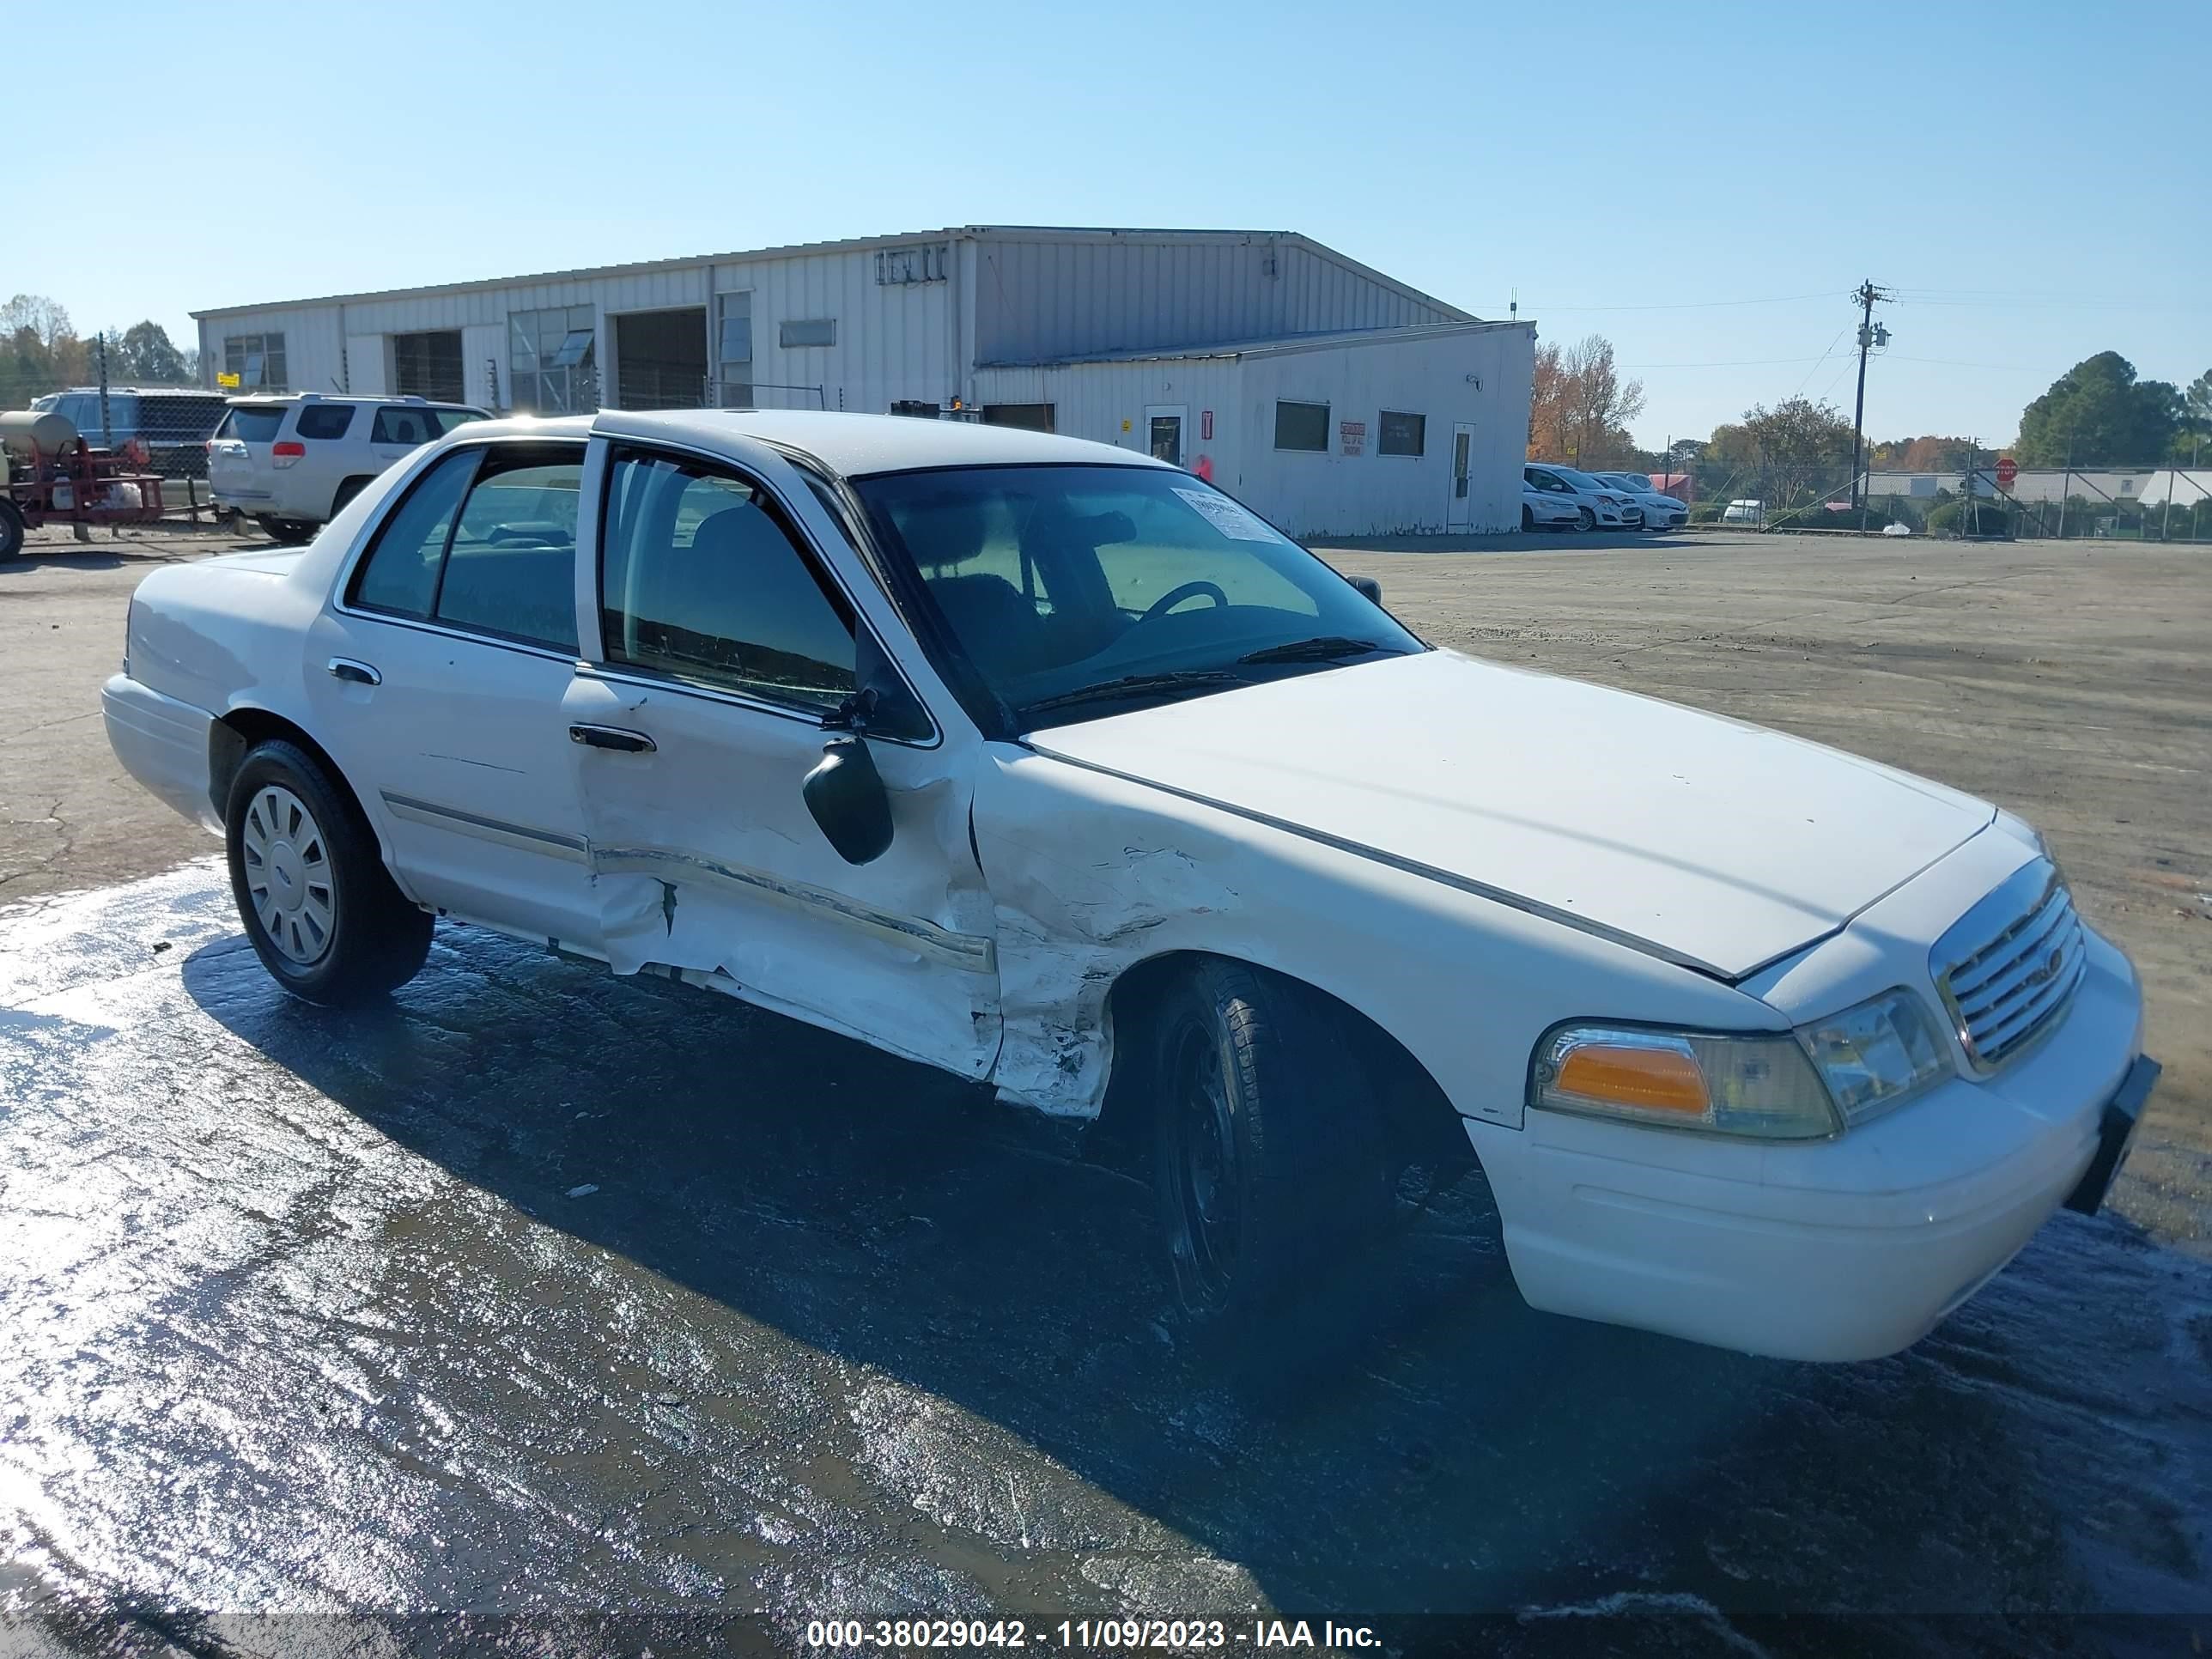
(1174,596)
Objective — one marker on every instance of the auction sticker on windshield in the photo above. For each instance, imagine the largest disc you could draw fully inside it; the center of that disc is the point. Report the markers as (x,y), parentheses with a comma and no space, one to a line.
(1227,516)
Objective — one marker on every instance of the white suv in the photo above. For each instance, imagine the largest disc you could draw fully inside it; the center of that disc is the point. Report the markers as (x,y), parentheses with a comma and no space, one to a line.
(290,464)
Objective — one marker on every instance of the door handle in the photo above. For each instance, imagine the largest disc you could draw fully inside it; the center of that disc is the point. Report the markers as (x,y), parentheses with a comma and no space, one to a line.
(613,737)
(355,673)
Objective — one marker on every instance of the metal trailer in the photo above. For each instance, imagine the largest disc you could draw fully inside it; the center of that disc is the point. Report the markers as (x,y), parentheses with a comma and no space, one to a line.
(49,474)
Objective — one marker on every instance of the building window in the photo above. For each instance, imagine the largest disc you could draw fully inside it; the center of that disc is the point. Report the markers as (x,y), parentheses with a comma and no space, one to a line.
(258,360)
(1302,426)
(808,331)
(552,367)
(1403,434)
(734,349)
(427,365)
(1031,418)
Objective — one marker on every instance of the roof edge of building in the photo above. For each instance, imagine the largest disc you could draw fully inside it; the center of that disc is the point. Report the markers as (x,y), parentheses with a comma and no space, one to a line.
(1260,348)
(841,244)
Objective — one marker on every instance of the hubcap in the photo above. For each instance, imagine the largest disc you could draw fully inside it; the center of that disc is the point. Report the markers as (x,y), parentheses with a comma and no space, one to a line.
(287,874)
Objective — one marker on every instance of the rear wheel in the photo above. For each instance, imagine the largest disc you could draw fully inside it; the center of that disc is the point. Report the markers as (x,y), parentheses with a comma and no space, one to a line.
(290,532)
(318,907)
(11,530)
(1267,1157)
(1528,518)
(347,491)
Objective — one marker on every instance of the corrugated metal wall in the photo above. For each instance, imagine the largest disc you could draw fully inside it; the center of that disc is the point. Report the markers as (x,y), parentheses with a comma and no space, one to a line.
(894,340)
(1328,494)
(1057,297)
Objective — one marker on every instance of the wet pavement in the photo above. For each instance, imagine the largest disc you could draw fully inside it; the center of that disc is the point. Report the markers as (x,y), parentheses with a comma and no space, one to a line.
(596,1314)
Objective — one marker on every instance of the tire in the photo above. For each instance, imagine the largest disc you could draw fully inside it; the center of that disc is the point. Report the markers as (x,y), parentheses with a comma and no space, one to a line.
(11,530)
(347,491)
(1585,520)
(1528,518)
(317,903)
(1267,1164)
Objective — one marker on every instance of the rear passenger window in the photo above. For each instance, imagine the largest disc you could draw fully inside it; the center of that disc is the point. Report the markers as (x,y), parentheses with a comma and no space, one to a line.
(512,569)
(700,581)
(486,540)
(400,574)
(324,420)
(403,426)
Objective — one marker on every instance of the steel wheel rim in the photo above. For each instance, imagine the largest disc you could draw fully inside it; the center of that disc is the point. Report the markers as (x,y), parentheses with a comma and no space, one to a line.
(289,879)
(1204,1166)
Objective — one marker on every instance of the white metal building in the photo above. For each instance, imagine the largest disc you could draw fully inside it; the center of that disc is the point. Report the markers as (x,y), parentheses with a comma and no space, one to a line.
(1331,397)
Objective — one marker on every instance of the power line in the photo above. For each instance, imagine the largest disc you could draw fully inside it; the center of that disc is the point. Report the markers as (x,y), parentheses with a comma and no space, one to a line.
(1705,305)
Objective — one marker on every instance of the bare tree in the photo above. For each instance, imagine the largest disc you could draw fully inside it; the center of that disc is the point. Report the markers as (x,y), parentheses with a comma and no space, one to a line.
(1601,405)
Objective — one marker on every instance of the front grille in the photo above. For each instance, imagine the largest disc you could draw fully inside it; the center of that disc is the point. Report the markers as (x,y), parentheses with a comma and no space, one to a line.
(2013,986)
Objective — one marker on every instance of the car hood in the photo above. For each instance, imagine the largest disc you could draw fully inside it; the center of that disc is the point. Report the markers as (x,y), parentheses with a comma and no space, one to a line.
(1717,844)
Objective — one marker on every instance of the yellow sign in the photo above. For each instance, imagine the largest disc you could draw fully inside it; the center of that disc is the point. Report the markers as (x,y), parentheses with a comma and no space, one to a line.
(1125,426)
(230,380)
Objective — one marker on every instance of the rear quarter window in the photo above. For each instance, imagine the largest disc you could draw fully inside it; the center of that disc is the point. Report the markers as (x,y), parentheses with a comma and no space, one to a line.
(324,421)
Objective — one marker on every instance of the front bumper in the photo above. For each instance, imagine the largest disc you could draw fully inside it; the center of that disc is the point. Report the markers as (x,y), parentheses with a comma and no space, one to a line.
(163,744)
(1841,1250)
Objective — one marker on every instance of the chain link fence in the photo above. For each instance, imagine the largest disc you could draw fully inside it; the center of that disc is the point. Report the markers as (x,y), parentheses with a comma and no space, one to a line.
(2137,503)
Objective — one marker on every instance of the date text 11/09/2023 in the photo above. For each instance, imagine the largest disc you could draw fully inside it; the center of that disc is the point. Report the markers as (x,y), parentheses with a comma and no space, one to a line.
(1166,1635)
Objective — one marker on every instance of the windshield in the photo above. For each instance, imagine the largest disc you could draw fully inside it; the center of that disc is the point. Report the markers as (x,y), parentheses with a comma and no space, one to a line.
(1636,481)
(1580,480)
(1080,591)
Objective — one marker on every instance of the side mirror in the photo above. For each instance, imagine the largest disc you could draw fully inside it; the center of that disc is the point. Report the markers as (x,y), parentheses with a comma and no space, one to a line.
(846,794)
(1367,585)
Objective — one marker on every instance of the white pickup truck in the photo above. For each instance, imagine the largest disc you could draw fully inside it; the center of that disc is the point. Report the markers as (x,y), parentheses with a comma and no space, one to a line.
(1050,765)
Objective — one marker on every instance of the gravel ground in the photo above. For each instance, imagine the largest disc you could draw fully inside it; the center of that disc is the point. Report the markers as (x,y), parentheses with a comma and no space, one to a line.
(589,1314)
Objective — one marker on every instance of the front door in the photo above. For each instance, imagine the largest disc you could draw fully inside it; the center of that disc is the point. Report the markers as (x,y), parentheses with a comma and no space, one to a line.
(1164,427)
(732,616)
(1459,512)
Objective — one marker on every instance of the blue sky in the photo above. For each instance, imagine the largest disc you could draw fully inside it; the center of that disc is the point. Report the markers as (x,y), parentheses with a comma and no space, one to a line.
(2030,177)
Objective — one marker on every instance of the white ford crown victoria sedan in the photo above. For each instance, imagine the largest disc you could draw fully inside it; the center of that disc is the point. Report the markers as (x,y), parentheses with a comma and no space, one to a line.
(1051,766)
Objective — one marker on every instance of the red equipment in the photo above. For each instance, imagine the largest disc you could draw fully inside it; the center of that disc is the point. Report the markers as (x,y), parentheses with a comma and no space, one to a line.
(56,477)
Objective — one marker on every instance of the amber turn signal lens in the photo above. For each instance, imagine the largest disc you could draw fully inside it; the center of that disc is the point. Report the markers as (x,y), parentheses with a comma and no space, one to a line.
(1654,1079)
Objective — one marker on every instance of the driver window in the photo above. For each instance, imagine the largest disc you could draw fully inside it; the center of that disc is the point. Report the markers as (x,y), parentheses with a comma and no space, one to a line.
(700,580)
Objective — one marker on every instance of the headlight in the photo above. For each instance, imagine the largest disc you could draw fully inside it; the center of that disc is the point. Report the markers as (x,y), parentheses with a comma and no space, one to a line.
(1877,1055)
(1745,1086)
(1800,1086)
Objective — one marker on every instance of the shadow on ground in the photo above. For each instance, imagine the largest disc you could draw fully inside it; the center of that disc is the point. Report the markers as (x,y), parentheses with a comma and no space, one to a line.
(1447,1450)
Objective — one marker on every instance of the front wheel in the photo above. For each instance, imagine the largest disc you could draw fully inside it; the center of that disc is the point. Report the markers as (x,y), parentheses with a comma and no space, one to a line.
(1585,520)
(1528,518)
(1267,1157)
(11,530)
(318,907)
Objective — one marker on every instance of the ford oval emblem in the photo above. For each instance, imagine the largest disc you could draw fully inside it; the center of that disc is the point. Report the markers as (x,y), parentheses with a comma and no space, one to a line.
(2048,971)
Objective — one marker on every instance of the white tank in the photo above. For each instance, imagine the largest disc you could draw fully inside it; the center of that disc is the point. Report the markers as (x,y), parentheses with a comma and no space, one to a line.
(19,429)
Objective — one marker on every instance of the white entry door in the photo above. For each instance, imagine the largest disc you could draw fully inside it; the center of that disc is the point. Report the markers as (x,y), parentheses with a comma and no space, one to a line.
(1459,512)
(1163,432)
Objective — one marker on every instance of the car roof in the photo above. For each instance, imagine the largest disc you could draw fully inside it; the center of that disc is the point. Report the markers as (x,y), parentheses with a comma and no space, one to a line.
(264,399)
(855,446)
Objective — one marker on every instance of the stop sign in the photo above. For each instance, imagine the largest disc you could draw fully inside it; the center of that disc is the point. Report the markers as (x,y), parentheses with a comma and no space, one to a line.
(2007,470)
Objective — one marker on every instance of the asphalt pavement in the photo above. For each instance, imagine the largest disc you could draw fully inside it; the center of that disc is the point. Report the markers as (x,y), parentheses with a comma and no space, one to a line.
(551,1312)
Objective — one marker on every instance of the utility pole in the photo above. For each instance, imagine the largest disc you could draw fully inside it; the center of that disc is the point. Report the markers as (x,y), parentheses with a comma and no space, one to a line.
(1867,295)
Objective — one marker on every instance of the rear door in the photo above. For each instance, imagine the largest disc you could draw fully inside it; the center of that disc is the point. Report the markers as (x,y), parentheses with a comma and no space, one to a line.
(398,430)
(436,677)
(239,469)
